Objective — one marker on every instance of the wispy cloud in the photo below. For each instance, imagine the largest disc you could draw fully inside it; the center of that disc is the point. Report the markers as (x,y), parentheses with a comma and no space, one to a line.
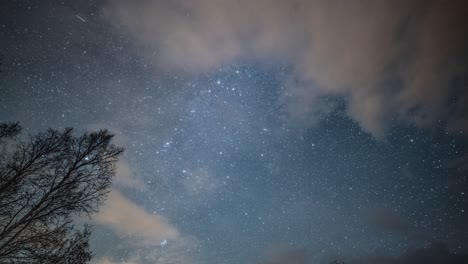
(148,237)
(129,219)
(126,177)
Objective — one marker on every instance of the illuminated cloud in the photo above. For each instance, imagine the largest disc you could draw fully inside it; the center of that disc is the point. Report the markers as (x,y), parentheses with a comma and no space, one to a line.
(150,237)
(129,219)
(388,60)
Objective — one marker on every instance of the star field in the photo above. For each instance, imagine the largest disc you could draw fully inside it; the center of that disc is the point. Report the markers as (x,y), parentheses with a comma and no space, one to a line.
(216,156)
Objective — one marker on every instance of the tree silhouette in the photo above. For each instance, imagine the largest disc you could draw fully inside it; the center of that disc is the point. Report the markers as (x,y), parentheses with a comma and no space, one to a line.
(9,130)
(45,182)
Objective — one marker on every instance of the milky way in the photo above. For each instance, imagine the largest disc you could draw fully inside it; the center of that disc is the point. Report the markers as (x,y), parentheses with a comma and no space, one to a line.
(219,167)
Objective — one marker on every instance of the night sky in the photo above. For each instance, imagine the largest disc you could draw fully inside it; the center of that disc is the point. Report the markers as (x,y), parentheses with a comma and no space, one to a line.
(286,132)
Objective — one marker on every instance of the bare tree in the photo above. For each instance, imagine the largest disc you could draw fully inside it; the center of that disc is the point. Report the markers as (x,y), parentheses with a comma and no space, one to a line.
(9,130)
(44,183)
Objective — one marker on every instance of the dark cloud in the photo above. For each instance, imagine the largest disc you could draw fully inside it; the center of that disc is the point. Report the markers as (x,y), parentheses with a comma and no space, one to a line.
(388,220)
(437,253)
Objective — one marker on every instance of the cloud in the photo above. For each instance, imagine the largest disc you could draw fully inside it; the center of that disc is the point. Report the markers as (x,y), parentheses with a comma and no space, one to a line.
(129,219)
(109,261)
(126,175)
(388,60)
(388,220)
(437,253)
(143,237)
(127,178)
(104,261)
(182,250)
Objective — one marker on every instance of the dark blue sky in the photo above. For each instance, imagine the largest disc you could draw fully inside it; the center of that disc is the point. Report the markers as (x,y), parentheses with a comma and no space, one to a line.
(238,157)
